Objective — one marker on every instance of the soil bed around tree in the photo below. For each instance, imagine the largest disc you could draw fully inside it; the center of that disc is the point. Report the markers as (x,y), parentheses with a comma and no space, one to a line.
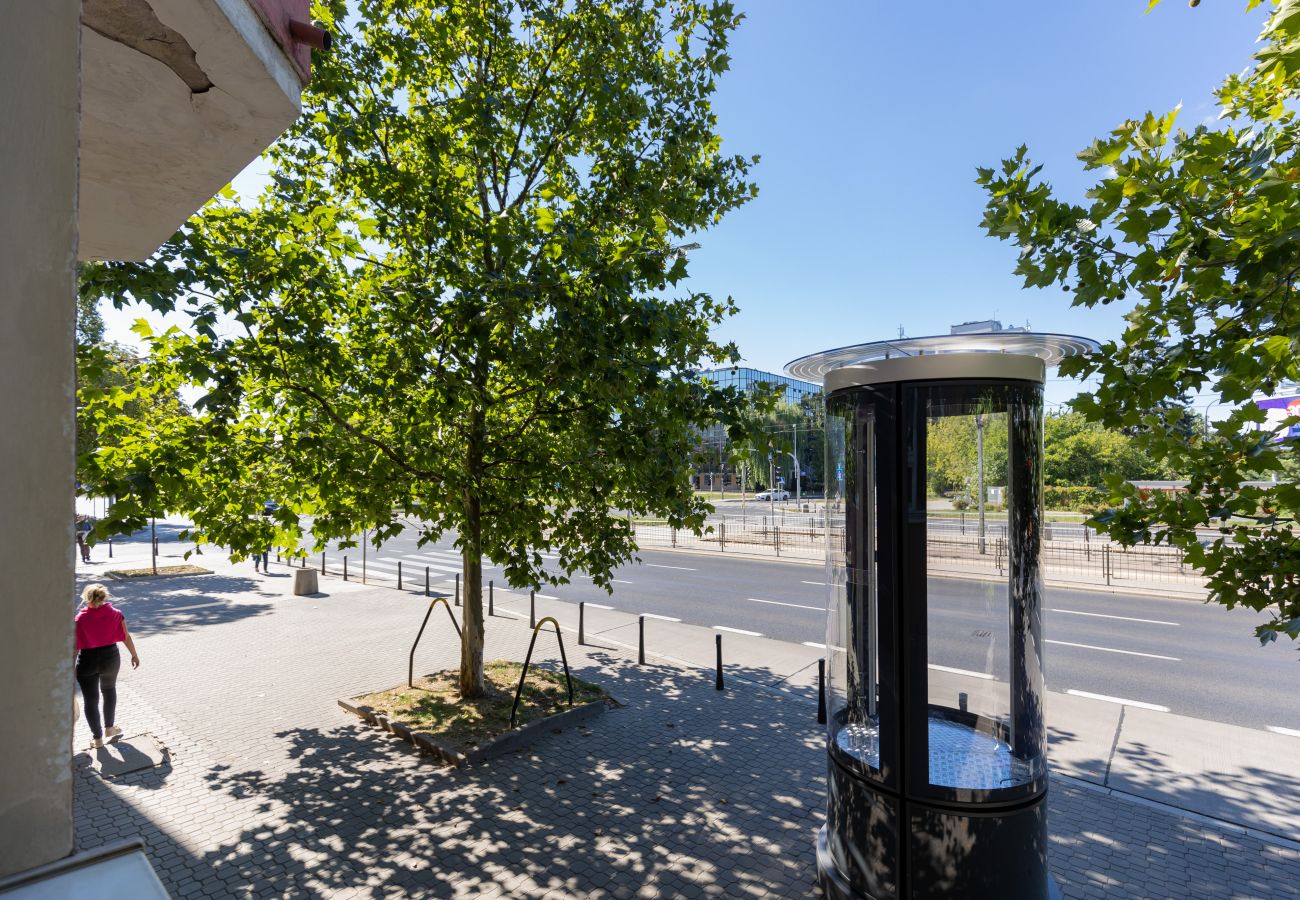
(434,718)
(148,571)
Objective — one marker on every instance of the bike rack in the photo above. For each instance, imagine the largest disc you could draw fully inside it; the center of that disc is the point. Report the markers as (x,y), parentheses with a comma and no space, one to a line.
(410,669)
(568,679)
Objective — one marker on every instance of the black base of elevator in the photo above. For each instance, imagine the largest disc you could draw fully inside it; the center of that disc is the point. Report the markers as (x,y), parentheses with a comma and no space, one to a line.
(1000,854)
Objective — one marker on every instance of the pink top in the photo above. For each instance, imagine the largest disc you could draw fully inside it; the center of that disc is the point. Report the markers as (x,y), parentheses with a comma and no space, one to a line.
(99,626)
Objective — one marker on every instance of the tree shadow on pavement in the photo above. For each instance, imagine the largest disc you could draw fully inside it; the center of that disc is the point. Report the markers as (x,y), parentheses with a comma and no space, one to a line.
(163,605)
(686,789)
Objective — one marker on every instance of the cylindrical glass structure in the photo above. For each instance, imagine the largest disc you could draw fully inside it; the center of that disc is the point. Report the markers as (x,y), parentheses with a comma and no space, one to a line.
(935,730)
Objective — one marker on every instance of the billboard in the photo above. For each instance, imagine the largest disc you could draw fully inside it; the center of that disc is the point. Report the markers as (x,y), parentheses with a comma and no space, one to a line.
(1278,410)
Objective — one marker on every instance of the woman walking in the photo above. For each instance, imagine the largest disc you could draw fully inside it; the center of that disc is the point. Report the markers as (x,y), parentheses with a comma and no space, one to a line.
(100,626)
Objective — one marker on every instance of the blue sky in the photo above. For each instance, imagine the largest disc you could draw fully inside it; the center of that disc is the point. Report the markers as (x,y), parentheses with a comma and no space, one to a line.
(871,118)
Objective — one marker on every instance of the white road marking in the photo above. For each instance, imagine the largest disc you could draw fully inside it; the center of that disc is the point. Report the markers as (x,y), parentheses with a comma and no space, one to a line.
(1075,612)
(664,618)
(657,566)
(738,631)
(1289,732)
(818,583)
(1138,703)
(795,605)
(1113,650)
(984,675)
(598,605)
(545,597)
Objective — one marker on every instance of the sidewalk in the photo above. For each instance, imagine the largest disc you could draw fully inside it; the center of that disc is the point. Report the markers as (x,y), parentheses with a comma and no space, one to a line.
(685,791)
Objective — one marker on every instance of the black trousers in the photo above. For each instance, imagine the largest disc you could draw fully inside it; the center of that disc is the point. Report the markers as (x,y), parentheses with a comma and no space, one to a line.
(97,669)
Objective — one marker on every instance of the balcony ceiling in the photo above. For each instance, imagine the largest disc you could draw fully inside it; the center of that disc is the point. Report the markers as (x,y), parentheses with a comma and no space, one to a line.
(177,97)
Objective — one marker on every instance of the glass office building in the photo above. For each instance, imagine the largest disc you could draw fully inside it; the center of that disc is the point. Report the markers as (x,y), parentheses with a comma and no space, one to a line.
(793,390)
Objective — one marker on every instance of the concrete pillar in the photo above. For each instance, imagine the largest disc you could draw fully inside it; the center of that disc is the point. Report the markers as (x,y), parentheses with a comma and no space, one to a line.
(39,89)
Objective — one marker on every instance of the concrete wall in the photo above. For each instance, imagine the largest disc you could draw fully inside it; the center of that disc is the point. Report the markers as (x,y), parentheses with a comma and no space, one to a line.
(39,86)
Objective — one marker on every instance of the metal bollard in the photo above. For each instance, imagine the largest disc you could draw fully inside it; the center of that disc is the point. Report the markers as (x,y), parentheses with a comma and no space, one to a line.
(322,562)
(426,581)
(963,700)
(582,615)
(110,548)
(717,639)
(722,537)
(491,602)
(640,644)
(458,589)
(399,574)
(821,691)
(532,609)
(776,530)
(345,568)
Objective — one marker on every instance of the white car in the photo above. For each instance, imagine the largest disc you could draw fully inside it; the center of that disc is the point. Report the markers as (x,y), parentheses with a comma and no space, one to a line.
(772,495)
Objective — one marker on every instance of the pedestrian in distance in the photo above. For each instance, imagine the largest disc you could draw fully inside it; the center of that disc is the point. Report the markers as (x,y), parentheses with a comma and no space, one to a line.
(262,558)
(100,626)
(82,530)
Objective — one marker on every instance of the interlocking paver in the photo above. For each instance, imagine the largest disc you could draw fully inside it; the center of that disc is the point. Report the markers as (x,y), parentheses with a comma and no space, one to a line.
(273,791)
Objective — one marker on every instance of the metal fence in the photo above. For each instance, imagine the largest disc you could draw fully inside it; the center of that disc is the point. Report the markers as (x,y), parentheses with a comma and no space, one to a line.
(1091,560)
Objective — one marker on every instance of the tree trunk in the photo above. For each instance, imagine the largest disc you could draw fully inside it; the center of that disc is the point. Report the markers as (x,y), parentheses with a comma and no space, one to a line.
(471,645)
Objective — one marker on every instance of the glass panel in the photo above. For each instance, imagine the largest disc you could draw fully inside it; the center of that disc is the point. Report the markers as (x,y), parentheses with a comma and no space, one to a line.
(853,632)
(968,619)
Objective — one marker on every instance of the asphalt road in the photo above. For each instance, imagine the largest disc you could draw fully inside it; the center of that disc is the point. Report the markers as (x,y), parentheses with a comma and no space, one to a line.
(1189,657)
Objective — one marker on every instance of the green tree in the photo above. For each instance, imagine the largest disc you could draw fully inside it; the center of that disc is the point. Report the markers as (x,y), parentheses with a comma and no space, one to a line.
(952,454)
(1080,452)
(459,297)
(1197,230)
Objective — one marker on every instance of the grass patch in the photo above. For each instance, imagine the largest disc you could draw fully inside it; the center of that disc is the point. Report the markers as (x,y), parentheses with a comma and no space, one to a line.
(434,704)
(149,572)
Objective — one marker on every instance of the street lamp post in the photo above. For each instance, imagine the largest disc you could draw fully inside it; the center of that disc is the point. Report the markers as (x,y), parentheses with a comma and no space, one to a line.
(979,473)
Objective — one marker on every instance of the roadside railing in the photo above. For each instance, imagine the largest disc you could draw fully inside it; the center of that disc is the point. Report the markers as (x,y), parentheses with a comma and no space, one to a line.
(1091,559)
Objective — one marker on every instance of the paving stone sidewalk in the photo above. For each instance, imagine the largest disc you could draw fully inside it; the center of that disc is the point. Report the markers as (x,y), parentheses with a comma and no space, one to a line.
(685,791)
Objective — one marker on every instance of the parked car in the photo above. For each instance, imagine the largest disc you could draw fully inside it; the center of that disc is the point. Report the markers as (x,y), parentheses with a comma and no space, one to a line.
(772,495)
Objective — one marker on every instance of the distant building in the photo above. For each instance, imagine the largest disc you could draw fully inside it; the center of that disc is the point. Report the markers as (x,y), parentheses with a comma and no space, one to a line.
(714,473)
(987,326)
(748,380)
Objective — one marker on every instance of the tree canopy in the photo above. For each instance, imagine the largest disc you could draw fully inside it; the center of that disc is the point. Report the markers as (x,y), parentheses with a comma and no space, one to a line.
(460,300)
(1196,232)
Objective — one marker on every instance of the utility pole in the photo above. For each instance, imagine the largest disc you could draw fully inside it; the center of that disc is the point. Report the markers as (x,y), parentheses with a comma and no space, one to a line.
(979,472)
(798,468)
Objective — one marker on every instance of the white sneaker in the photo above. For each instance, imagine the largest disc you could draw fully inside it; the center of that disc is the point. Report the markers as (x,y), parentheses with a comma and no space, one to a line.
(112,733)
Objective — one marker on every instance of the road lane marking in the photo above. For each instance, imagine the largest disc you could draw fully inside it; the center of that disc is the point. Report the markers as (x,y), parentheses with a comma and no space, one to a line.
(795,605)
(1113,650)
(658,566)
(983,675)
(1289,732)
(1075,612)
(597,605)
(657,616)
(818,583)
(738,631)
(1154,707)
